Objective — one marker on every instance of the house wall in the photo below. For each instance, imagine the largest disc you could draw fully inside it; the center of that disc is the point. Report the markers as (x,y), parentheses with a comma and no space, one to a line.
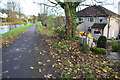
(114,28)
(86,24)
(105,31)
(113,31)
(119,18)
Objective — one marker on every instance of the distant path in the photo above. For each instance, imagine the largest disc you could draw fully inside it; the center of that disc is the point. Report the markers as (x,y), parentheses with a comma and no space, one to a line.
(25,53)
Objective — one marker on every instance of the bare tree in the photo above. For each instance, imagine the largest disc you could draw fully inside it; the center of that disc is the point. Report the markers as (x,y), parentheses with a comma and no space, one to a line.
(13,8)
(69,7)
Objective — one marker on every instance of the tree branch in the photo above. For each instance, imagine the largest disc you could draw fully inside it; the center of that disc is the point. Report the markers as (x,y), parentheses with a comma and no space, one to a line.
(45,4)
(52,2)
(60,3)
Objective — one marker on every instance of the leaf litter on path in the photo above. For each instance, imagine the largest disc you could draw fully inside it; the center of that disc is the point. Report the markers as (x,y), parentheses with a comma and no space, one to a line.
(71,61)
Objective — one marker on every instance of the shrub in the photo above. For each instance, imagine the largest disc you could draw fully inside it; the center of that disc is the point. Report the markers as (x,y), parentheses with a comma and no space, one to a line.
(75,38)
(102,42)
(115,47)
(85,48)
(60,33)
(81,44)
(98,50)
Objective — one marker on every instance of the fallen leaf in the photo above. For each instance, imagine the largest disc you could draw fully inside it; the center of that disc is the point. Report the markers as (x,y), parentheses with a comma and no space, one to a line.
(48,60)
(44,64)
(116,77)
(59,43)
(48,76)
(43,54)
(40,53)
(5,71)
(40,63)
(31,67)
(53,65)
(58,60)
(55,54)
(39,70)
(104,70)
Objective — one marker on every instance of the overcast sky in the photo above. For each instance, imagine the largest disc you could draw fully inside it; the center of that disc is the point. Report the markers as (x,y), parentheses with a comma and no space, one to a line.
(30,8)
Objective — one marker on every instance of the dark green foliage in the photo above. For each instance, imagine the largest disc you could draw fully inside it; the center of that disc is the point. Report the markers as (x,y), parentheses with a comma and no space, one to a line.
(80,43)
(60,33)
(77,38)
(102,42)
(115,47)
(85,48)
(91,77)
(30,20)
(98,50)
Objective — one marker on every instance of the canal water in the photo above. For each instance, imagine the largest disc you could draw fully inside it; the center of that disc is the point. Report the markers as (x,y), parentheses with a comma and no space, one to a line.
(6,28)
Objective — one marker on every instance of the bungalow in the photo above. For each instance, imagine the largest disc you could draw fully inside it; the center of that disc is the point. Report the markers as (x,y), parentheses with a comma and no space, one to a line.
(98,21)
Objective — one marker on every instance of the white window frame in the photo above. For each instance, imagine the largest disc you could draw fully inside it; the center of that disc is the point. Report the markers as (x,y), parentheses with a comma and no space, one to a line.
(90,20)
(82,19)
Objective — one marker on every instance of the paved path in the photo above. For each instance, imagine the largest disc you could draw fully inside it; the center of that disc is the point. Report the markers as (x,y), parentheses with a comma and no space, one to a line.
(25,53)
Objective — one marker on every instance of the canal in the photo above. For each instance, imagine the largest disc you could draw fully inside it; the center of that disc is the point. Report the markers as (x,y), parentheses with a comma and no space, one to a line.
(6,28)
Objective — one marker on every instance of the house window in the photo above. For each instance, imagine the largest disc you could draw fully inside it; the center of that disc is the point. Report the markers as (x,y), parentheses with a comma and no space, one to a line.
(81,19)
(97,31)
(101,20)
(91,19)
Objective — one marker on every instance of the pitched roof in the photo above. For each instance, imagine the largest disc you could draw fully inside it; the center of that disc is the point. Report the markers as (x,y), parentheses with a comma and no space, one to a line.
(99,25)
(95,11)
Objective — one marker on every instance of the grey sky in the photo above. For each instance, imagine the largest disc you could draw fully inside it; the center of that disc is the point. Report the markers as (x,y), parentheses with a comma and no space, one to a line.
(30,8)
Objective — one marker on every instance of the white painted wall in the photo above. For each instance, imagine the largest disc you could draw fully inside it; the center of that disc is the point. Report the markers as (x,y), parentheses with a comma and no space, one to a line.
(114,27)
(105,32)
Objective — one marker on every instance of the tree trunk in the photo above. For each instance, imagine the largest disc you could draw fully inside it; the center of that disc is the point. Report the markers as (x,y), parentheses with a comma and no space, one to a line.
(70,13)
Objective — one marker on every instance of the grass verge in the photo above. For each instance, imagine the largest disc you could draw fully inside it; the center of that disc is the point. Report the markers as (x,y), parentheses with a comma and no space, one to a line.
(8,37)
(116,47)
(44,30)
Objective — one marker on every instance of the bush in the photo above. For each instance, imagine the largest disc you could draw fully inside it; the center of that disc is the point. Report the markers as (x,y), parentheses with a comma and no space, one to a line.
(115,47)
(102,42)
(61,33)
(98,50)
(81,44)
(85,48)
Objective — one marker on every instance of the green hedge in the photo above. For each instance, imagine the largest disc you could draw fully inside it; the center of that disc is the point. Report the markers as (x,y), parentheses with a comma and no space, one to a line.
(115,47)
(102,42)
(98,50)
